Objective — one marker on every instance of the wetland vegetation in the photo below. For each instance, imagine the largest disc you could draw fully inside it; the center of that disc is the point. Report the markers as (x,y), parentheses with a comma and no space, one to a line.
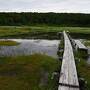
(32,72)
(83,69)
(8,43)
(42,32)
(27,70)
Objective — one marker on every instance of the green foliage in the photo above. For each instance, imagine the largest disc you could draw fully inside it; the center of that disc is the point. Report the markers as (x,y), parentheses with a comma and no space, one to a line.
(83,68)
(84,72)
(50,31)
(29,18)
(61,47)
(28,72)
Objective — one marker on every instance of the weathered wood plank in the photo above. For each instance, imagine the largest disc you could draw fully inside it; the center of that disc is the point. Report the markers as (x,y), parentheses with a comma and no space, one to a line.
(68,77)
(80,45)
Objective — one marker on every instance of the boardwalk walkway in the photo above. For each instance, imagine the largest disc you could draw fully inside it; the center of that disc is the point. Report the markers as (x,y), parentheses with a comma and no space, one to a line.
(80,45)
(68,76)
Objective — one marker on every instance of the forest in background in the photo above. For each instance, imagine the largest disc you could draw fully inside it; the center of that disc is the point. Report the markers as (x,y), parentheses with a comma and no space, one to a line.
(29,18)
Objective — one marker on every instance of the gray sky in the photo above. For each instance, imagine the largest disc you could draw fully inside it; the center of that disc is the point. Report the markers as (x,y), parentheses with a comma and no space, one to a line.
(75,6)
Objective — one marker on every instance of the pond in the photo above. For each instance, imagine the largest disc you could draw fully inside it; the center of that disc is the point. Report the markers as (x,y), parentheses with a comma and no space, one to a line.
(31,46)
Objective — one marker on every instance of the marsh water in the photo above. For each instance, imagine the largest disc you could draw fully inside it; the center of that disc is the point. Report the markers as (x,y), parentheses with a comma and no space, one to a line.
(31,46)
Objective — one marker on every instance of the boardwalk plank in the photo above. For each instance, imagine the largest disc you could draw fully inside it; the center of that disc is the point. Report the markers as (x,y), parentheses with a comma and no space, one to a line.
(80,45)
(68,74)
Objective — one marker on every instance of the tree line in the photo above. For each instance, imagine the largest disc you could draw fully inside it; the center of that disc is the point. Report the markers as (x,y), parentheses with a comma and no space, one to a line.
(29,18)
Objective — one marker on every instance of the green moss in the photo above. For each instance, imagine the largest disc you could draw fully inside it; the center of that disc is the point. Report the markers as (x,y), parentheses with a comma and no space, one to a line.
(8,43)
(27,72)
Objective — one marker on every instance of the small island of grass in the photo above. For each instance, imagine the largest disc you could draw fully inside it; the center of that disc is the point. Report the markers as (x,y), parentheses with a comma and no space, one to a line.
(8,43)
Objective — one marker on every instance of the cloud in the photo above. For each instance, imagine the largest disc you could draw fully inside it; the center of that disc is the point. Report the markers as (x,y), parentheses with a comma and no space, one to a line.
(82,6)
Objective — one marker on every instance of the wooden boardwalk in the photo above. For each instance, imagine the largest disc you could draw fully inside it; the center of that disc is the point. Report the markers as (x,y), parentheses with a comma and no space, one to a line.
(80,45)
(68,76)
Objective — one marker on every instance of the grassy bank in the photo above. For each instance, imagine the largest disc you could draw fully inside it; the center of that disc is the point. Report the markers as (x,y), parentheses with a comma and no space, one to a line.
(83,69)
(84,72)
(44,28)
(18,31)
(28,72)
(8,43)
(60,29)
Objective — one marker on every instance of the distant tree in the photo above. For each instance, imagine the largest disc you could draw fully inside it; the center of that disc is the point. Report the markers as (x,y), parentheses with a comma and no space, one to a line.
(29,18)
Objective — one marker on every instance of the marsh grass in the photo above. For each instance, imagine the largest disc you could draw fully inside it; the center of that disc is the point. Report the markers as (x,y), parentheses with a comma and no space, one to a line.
(26,72)
(8,43)
(83,68)
(84,72)
(19,31)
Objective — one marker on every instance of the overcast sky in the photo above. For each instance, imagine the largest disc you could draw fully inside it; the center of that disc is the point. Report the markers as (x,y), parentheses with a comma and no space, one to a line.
(75,6)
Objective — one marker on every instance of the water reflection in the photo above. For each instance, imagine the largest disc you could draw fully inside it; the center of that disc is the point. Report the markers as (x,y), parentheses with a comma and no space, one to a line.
(27,47)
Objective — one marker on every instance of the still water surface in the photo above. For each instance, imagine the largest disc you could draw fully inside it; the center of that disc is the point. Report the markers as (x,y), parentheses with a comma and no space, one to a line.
(31,46)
